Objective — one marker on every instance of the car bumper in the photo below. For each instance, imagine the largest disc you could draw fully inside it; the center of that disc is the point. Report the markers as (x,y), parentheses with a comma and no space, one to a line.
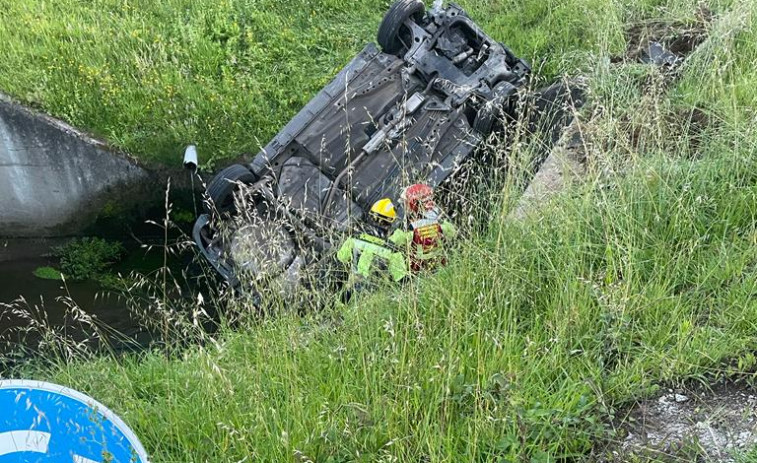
(213,255)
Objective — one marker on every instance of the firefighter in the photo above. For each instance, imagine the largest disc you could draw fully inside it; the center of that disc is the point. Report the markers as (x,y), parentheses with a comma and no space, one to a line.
(427,232)
(371,253)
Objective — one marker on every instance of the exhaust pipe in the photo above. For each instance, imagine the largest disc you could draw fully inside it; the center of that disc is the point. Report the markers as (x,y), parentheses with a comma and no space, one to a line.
(190,158)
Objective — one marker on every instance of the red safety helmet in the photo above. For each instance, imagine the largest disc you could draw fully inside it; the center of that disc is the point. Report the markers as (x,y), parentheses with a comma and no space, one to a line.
(418,197)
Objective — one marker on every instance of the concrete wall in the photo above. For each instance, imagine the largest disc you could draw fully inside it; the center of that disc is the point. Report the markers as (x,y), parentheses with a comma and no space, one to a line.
(53,179)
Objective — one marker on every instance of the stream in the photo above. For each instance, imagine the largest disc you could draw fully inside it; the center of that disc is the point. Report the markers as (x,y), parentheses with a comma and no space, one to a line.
(19,282)
(21,290)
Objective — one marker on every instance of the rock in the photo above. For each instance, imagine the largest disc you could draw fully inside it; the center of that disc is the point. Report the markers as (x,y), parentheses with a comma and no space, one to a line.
(720,420)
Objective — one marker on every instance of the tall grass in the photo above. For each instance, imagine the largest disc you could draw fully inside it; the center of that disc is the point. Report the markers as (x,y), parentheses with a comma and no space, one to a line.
(152,77)
(538,334)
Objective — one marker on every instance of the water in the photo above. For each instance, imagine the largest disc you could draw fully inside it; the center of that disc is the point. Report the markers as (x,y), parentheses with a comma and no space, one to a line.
(18,280)
(20,258)
(54,297)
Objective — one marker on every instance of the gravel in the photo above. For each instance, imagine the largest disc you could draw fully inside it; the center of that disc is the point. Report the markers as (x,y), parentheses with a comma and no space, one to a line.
(714,424)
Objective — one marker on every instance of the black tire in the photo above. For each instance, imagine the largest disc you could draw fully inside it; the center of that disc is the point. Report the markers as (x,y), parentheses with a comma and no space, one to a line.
(221,189)
(391,26)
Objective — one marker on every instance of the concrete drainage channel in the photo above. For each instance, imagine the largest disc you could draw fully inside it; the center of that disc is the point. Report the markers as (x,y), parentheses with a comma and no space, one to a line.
(54,180)
(659,44)
(55,183)
(709,423)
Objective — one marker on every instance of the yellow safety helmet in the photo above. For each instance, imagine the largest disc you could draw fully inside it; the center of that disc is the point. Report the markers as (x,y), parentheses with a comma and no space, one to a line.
(383,211)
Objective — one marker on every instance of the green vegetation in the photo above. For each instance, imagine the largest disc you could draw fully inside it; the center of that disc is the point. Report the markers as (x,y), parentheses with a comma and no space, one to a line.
(152,76)
(47,273)
(88,258)
(539,333)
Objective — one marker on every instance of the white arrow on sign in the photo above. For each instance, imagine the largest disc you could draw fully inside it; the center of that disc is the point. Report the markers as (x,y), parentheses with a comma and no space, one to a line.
(24,441)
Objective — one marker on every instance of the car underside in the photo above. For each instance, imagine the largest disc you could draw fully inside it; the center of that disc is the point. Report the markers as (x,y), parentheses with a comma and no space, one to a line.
(410,112)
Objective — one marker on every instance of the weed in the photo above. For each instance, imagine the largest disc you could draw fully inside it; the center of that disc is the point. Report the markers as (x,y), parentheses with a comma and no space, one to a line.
(87,258)
(153,77)
(47,273)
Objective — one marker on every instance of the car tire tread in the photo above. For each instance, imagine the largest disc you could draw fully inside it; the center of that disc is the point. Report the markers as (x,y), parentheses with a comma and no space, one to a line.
(389,30)
(223,186)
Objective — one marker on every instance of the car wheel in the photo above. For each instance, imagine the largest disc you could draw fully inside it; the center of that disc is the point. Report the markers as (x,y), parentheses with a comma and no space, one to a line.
(263,248)
(221,189)
(391,27)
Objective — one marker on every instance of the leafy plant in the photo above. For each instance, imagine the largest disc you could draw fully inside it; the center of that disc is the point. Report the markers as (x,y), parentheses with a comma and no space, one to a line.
(47,273)
(88,258)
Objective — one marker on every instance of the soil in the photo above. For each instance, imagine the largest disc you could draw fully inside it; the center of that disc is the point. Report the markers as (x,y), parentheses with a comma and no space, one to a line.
(677,123)
(678,38)
(666,45)
(691,425)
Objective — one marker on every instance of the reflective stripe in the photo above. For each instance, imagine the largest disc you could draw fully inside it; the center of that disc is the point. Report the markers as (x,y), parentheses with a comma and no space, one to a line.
(422,223)
(372,247)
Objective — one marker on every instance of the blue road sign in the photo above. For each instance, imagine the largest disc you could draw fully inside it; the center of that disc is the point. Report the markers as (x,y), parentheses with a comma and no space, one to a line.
(45,423)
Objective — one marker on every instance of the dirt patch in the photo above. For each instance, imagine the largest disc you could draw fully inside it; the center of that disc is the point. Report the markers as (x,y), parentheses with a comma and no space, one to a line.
(673,127)
(692,124)
(681,425)
(666,43)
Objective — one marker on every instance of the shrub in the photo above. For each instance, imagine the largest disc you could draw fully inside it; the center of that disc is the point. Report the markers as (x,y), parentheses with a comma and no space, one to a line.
(88,258)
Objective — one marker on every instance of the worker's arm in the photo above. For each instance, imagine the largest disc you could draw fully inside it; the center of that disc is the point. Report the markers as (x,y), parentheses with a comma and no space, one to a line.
(365,263)
(401,238)
(449,230)
(397,266)
(344,254)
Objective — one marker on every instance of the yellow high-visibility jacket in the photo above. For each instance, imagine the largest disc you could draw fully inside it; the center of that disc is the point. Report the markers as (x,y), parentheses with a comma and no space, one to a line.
(366,250)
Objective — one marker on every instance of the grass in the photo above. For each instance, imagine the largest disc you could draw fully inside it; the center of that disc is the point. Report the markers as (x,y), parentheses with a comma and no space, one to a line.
(47,273)
(152,77)
(539,333)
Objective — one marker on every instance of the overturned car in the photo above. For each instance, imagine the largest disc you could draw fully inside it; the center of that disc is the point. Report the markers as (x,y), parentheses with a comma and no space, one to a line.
(410,111)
